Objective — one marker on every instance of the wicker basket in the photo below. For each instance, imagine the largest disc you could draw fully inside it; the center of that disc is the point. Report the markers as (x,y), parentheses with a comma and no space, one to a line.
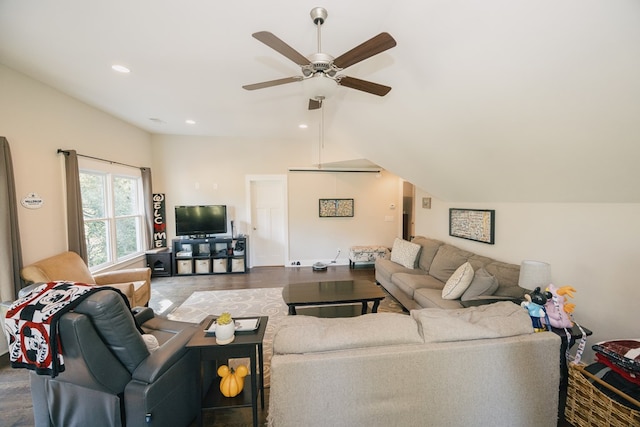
(588,406)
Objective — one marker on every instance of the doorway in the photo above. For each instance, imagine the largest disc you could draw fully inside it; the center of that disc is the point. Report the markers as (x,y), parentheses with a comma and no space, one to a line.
(267,215)
(408,196)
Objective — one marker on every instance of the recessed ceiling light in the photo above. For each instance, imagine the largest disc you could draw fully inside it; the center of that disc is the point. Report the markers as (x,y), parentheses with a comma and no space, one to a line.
(303,126)
(190,122)
(120,68)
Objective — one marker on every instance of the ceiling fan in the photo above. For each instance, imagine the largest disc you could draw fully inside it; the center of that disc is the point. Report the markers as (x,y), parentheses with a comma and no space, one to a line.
(320,70)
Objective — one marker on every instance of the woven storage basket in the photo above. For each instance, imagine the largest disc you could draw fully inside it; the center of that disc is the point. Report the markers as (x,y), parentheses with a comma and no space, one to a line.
(588,406)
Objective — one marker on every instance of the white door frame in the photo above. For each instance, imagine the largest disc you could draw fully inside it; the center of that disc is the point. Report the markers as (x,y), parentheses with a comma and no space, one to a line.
(283,180)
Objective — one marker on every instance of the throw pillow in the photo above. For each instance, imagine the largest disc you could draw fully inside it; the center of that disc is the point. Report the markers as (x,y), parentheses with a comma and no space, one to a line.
(624,353)
(151,342)
(483,284)
(458,282)
(404,253)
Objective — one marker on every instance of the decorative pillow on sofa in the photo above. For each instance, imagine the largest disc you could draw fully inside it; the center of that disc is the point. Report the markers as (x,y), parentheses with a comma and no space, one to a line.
(624,353)
(458,282)
(405,253)
(483,284)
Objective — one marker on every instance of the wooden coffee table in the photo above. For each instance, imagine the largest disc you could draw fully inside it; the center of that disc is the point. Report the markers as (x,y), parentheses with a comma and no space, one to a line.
(332,293)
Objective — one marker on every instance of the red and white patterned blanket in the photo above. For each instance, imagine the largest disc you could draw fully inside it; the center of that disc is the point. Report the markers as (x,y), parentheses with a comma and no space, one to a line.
(31,325)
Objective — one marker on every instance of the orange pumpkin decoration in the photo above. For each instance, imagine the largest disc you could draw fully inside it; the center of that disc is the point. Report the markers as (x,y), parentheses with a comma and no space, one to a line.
(232,381)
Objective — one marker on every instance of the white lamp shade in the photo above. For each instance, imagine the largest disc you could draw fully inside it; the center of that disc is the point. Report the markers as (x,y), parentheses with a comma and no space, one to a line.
(534,274)
(318,86)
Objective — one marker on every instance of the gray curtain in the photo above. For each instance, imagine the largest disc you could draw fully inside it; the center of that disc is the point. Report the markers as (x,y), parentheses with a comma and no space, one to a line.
(10,249)
(75,220)
(147,193)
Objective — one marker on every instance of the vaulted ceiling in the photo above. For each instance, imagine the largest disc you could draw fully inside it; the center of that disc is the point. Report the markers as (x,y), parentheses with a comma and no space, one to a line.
(492,101)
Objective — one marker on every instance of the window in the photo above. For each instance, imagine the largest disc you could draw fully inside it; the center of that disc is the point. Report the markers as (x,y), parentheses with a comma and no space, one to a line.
(113,211)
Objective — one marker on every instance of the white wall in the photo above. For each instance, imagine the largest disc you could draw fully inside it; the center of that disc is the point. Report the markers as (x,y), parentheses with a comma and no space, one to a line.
(592,247)
(209,170)
(374,222)
(37,120)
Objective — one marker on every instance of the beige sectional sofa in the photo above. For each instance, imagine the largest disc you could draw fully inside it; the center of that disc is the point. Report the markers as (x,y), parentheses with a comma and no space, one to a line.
(419,283)
(477,366)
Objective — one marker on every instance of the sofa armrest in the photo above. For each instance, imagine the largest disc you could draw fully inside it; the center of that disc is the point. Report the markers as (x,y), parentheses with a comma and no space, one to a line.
(121,276)
(126,288)
(142,314)
(161,360)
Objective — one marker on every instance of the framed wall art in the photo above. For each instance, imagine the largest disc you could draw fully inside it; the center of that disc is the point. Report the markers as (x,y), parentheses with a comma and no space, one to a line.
(332,208)
(473,224)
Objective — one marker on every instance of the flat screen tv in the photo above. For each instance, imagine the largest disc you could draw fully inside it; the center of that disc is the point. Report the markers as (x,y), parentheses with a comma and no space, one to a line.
(201,220)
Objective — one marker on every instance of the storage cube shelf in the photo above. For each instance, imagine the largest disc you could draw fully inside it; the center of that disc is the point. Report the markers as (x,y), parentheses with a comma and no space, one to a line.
(214,255)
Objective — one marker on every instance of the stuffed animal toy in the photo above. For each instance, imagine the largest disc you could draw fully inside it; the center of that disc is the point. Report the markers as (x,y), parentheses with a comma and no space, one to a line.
(535,302)
(557,307)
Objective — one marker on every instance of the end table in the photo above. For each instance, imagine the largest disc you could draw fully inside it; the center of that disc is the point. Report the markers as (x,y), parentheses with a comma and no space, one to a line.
(245,345)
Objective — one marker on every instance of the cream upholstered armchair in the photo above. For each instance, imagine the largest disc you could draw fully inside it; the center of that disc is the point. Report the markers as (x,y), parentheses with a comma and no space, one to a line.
(135,283)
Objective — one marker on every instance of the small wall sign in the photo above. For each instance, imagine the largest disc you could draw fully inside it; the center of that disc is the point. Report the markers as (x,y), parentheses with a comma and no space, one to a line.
(32,201)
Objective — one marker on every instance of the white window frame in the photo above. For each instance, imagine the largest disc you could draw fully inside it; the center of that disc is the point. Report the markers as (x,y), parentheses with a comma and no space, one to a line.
(111,171)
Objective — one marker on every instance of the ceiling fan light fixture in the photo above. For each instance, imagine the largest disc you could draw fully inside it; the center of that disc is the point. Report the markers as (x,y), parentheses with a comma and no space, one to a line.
(319,86)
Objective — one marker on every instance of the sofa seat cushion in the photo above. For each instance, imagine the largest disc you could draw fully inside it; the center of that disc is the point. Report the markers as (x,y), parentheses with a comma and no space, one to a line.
(447,261)
(498,320)
(306,334)
(408,283)
(432,298)
(405,253)
(386,268)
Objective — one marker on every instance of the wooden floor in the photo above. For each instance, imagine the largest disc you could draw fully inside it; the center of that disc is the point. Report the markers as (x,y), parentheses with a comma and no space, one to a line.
(167,293)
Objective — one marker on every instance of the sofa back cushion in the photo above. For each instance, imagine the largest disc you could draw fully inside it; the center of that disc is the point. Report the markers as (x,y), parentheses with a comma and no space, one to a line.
(306,334)
(428,251)
(498,320)
(65,266)
(507,276)
(446,262)
(116,326)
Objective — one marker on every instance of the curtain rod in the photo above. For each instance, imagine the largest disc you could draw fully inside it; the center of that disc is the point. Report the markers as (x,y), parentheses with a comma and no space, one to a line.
(66,153)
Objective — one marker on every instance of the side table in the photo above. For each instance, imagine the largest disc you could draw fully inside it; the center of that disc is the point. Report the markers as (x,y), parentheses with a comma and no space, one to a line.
(160,261)
(245,345)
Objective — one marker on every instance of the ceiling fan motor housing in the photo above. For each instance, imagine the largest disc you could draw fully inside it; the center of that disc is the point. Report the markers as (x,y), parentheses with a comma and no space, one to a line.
(320,63)
(318,15)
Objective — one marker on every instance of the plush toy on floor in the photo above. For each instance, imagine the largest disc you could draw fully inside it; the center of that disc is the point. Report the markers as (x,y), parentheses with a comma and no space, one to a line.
(534,304)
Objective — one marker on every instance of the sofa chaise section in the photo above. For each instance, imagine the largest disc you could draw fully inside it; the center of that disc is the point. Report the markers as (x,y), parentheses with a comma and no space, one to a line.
(421,285)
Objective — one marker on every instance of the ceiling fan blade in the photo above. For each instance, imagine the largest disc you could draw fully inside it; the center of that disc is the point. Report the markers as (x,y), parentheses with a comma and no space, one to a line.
(272,83)
(281,47)
(315,104)
(373,46)
(364,85)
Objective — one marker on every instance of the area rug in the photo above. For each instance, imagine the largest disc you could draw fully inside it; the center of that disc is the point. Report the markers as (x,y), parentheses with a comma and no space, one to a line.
(246,303)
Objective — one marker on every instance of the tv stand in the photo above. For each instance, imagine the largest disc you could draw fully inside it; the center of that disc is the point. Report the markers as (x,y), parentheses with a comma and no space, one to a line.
(209,255)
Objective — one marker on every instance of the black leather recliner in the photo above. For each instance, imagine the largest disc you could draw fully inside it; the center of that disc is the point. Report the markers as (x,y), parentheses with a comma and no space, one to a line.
(111,378)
